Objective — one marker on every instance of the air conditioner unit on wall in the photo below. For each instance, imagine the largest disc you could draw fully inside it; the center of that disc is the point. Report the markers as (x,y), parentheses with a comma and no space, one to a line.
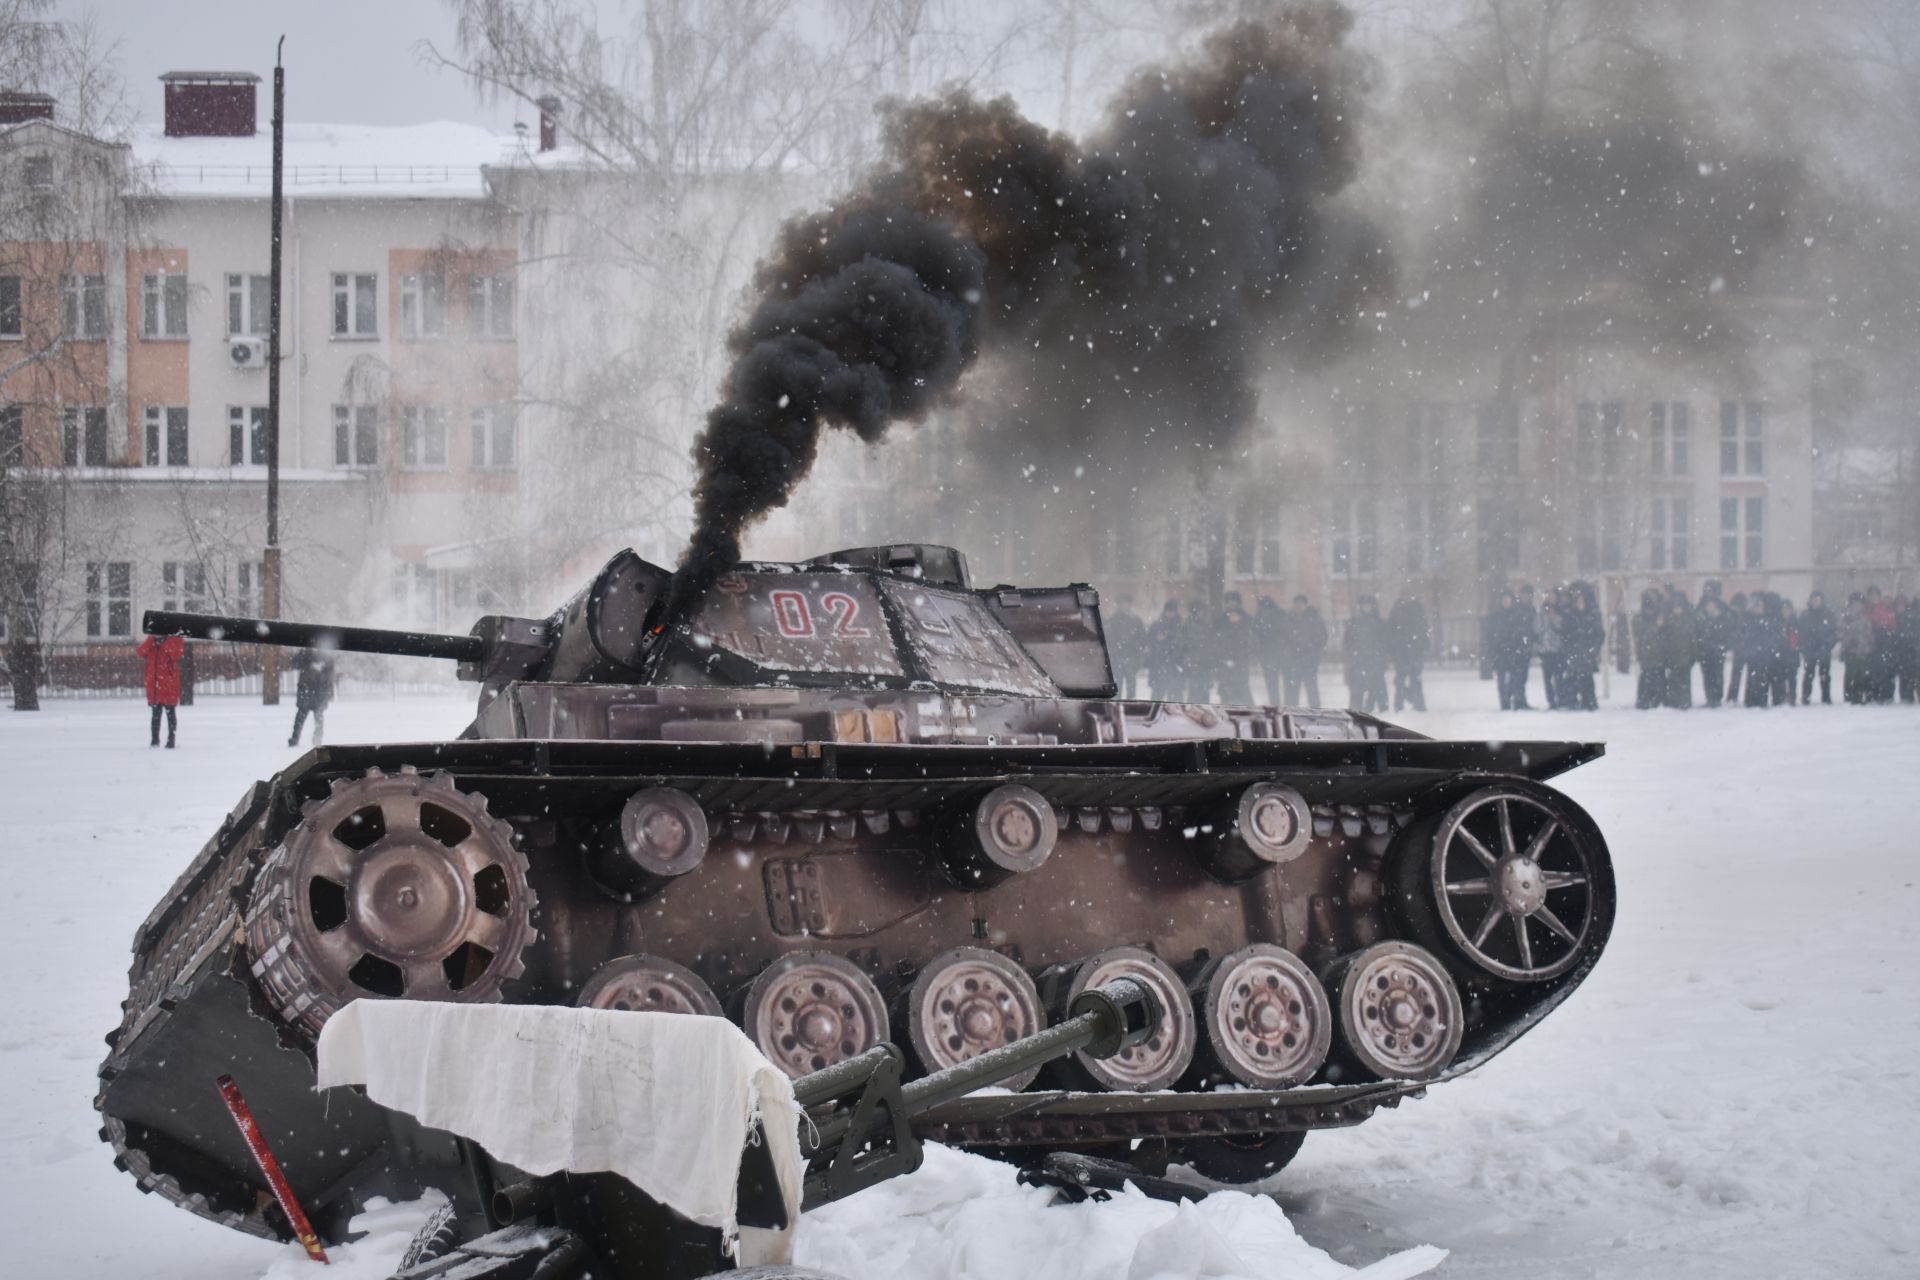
(247,353)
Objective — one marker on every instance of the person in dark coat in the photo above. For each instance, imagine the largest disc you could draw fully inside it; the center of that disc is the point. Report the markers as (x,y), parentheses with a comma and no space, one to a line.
(1233,652)
(1906,649)
(161,656)
(1759,648)
(1367,648)
(312,694)
(1741,613)
(1584,636)
(1649,647)
(1680,647)
(1166,654)
(1551,644)
(1126,644)
(1410,638)
(1201,660)
(1512,646)
(1306,638)
(1712,633)
(1786,681)
(1819,632)
(1270,624)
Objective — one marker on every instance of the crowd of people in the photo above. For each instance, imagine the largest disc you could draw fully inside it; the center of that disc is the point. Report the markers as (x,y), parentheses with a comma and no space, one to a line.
(1755,649)
(1270,654)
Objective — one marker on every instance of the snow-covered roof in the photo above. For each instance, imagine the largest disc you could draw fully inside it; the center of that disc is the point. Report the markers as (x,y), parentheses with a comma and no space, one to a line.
(442,159)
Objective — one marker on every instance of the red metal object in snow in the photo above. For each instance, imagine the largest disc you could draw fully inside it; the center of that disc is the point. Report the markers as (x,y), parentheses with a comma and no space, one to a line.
(263,1156)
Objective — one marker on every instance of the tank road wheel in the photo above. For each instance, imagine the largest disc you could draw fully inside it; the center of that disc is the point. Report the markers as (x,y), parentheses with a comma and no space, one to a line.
(394,885)
(1513,885)
(1164,1056)
(1398,1009)
(648,984)
(810,1009)
(1265,1017)
(967,1001)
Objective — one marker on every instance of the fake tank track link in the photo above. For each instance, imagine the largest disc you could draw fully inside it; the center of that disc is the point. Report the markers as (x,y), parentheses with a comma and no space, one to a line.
(1150,1122)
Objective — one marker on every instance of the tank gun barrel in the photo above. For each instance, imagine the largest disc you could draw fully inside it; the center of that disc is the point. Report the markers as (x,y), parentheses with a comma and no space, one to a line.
(308,635)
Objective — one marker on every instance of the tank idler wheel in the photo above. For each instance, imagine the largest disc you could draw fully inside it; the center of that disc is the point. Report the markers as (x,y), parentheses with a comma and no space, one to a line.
(648,984)
(1398,1011)
(1009,831)
(1239,1160)
(662,834)
(967,1001)
(1265,826)
(1164,1056)
(1264,1017)
(1513,885)
(810,1009)
(393,885)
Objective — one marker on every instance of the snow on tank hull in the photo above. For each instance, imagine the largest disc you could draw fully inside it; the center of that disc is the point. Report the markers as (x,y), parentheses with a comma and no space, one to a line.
(1336,911)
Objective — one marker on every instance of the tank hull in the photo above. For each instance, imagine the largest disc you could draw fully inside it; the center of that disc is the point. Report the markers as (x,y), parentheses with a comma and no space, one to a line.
(822,840)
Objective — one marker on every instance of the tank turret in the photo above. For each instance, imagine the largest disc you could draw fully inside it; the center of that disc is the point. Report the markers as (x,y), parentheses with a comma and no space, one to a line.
(842,801)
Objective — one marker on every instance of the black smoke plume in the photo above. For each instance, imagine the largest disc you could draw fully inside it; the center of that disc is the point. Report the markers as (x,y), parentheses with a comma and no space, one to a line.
(1126,290)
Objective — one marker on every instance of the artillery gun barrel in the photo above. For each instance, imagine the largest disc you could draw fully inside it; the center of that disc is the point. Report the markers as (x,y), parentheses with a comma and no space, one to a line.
(308,635)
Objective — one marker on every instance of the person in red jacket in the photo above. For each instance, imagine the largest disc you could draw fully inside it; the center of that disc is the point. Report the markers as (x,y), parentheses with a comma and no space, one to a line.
(162,656)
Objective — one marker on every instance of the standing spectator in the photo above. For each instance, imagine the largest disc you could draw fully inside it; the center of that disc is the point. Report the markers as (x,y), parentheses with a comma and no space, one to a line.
(1818,633)
(1650,648)
(1906,648)
(162,656)
(1712,634)
(1880,663)
(1410,638)
(1583,637)
(1511,644)
(1233,652)
(313,693)
(1270,623)
(1367,648)
(1166,654)
(1552,646)
(1739,613)
(1306,643)
(1856,651)
(1787,682)
(1200,630)
(1760,648)
(1126,643)
(1681,646)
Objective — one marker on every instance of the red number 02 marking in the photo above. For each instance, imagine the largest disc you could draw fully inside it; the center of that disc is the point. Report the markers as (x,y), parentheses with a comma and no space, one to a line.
(791,614)
(845,609)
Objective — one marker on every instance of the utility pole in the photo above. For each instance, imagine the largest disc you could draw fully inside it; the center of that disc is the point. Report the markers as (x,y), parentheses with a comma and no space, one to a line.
(270,562)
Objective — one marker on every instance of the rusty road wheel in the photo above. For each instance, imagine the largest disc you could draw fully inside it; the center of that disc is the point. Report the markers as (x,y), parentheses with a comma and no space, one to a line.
(967,1001)
(648,984)
(1398,1010)
(1163,1057)
(1265,1017)
(810,1009)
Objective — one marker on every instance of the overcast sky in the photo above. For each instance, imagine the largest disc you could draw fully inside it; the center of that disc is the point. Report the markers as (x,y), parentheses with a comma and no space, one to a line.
(348,61)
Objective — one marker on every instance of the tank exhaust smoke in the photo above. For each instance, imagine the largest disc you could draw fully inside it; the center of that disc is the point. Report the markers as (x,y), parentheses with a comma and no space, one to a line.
(1131,283)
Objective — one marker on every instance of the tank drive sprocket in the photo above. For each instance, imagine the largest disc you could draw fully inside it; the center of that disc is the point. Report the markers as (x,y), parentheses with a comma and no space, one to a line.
(392,885)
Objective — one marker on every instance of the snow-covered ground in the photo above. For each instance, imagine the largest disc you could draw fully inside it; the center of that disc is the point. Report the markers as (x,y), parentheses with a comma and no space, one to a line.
(1730,1095)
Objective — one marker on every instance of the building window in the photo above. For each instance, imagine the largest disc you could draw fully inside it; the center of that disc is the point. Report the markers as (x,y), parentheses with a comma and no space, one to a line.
(423,305)
(11,317)
(163,305)
(1743,438)
(183,585)
(246,598)
(423,436)
(83,437)
(1597,438)
(1256,540)
(1424,546)
(1598,545)
(166,435)
(109,598)
(1426,443)
(355,313)
(37,171)
(356,435)
(1743,533)
(1112,550)
(490,306)
(13,436)
(247,434)
(249,305)
(1353,547)
(1356,442)
(83,307)
(1498,535)
(1496,439)
(493,426)
(1667,433)
(1669,524)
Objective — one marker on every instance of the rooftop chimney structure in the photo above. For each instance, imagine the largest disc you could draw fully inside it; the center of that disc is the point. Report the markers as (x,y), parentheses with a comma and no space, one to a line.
(211,104)
(18,108)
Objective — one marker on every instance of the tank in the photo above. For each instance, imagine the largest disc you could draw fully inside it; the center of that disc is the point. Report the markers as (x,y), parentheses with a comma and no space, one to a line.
(840,802)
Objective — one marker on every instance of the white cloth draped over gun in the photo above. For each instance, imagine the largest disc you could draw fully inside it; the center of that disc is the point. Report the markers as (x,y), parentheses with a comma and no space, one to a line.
(664,1100)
